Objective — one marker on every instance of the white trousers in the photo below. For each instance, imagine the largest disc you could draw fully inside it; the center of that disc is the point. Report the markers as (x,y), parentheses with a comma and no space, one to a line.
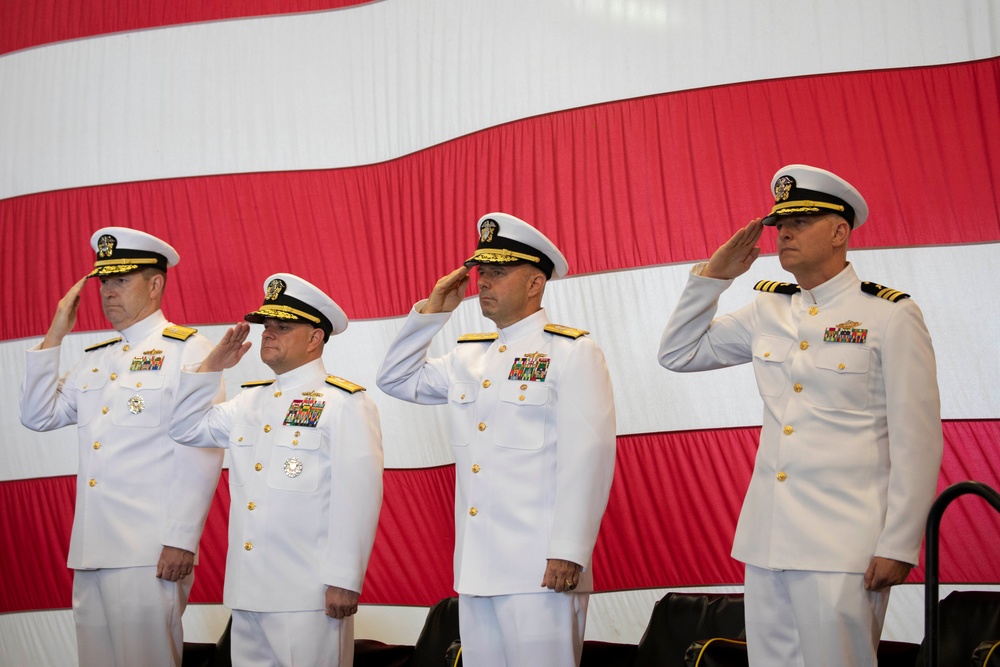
(126,617)
(523,630)
(292,639)
(811,619)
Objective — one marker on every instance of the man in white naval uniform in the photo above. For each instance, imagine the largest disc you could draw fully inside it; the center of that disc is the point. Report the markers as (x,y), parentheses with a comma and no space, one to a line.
(533,431)
(851,442)
(305,476)
(141,499)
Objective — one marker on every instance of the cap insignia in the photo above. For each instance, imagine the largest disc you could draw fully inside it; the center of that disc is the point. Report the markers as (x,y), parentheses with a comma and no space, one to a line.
(274,289)
(783,187)
(487,230)
(106,246)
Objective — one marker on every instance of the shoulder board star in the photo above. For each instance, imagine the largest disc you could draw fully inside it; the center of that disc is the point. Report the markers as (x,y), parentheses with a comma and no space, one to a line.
(178,332)
(478,337)
(775,287)
(341,383)
(883,292)
(104,344)
(569,332)
(256,383)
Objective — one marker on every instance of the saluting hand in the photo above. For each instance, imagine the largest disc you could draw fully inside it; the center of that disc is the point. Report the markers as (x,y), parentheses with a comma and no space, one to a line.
(448,292)
(229,351)
(734,257)
(65,318)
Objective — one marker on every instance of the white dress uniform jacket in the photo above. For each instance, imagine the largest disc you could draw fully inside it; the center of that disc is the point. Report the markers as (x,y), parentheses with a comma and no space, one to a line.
(305,476)
(534,458)
(136,490)
(851,442)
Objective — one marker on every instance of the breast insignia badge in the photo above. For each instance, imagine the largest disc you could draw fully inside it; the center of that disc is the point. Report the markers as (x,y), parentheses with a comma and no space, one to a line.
(136,404)
(293,467)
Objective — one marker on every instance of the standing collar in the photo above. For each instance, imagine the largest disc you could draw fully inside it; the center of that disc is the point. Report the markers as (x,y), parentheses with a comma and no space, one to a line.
(145,328)
(842,282)
(529,324)
(306,373)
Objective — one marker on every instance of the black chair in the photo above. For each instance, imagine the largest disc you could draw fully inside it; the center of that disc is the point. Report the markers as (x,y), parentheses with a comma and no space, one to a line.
(607,654)
(372,653)
(439,632)
(955,627)
(987,654)
(966,620)
(717,652)
(680,619)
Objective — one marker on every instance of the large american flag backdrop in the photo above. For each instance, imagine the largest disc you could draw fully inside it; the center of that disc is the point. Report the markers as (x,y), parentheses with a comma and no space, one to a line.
(356,144)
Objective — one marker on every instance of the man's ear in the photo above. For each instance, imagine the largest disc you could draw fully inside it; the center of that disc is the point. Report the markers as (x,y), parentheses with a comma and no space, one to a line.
(316,337)
(841,232)
(537,283)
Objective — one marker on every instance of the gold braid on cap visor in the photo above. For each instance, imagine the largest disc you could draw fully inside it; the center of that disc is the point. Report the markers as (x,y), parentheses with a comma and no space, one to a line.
(501,255)
(284,313)
(106,267)
(803,206)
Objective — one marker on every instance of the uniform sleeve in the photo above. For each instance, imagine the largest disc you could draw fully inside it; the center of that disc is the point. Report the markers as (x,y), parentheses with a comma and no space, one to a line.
(47,402)
(913,412)
(585,453)
(694,341)
(406,372)
(356,493)
(199,419)
(195,471)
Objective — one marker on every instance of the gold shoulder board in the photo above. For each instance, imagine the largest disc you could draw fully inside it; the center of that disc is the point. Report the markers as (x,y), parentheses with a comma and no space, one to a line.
(341,383)
(569,332)
(478,337)
(104,344)
(883,292)
(775,287)
(178,332)
(256,383)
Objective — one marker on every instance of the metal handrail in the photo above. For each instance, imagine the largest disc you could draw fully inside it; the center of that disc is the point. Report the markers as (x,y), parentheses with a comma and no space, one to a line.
(931,611)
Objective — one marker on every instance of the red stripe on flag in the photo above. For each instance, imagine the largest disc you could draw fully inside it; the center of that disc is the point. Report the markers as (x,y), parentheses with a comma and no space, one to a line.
(621,185)
(28,23)
(669,523)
